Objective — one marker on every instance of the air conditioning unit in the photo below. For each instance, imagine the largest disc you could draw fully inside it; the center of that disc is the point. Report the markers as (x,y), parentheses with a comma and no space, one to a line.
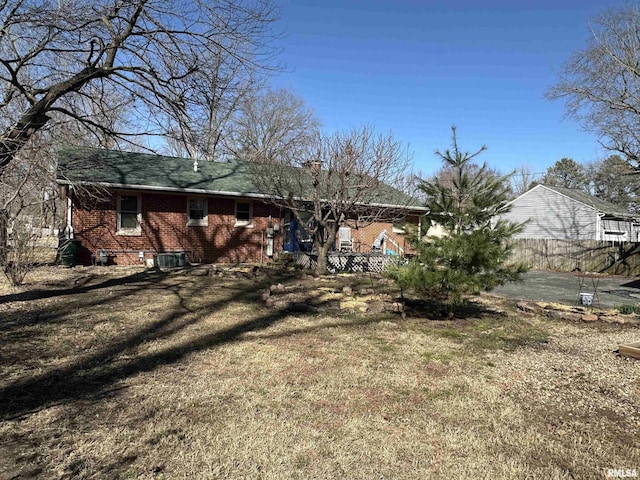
(170,260)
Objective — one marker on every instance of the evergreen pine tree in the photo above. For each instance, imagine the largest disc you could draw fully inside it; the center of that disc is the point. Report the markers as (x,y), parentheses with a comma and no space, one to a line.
(470,256)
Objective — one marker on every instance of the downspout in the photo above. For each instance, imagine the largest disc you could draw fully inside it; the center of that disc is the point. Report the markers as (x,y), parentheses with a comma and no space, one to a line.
(68,231)
(599,226)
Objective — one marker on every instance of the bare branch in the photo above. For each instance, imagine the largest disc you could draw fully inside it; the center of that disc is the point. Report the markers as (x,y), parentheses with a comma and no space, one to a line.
(600,84)
(149,48)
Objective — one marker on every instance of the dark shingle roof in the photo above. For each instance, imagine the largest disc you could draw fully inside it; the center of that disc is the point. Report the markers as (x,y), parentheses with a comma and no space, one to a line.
(601,206)
(127,169)
(157,172)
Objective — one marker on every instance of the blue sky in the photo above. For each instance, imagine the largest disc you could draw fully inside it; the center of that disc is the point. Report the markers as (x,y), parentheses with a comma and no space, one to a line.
(418,67)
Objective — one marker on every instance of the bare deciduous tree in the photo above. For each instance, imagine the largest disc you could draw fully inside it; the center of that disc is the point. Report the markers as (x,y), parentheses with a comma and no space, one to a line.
(274,125)
(338,177)
(206,129)
(600,84)
(27,208)
(154,52)
(521,180)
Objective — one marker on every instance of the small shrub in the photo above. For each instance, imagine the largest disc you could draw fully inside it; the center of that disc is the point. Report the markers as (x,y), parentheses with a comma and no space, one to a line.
(628,309)
(19,257)
(466,200)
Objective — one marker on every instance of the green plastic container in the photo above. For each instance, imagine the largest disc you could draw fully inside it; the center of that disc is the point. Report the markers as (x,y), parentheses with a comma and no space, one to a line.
(70,252)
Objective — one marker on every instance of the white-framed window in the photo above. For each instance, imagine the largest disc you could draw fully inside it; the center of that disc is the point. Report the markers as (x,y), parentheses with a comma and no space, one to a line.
(197,214)
(244,213)
(129,214)
(615,236)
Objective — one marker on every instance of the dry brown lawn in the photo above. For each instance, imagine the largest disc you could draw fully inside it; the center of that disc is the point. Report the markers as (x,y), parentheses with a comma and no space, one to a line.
(121,373)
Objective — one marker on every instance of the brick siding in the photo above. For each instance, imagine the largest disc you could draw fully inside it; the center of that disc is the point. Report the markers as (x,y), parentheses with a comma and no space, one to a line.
(164,229)
(363,237)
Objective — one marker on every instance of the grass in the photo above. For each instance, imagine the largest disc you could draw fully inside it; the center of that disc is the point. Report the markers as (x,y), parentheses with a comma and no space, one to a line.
(492,333)
(109,373)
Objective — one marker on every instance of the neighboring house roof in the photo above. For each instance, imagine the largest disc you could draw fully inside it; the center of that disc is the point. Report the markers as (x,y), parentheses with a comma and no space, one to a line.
(602,206)
(140,171)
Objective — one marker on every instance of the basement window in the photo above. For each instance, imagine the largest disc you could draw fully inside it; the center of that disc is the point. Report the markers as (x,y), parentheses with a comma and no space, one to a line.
(197,212)
(129,214)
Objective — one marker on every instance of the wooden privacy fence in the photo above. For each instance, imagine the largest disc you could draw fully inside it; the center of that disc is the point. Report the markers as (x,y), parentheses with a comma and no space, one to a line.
(614,258)
(348,262)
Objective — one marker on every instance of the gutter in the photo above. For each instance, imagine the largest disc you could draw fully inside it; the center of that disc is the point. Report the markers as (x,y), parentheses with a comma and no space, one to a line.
(202,191)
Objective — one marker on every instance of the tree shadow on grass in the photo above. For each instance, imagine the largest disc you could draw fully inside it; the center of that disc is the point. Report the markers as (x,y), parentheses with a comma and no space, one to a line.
(632,284)
(96,371)
(82,285)
(91,373)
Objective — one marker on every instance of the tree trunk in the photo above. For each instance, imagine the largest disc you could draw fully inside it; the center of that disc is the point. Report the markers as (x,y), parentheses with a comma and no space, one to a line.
(4,225)
(323,259)
(324,246)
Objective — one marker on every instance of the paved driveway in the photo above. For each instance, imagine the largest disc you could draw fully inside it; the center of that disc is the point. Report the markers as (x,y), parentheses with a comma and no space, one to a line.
(563,288)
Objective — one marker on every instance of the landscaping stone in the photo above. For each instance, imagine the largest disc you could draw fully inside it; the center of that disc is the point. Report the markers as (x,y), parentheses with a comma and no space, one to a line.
(553,314)
(397,307)
(281,304)
(589,317)
(276,288)
(335,296)
(571,316)
(377,306)
(525,307)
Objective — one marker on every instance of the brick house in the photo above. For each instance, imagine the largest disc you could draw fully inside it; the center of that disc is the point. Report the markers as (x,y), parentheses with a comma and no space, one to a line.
(127,207)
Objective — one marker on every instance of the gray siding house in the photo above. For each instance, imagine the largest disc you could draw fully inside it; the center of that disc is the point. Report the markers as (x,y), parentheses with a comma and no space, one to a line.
(557,213)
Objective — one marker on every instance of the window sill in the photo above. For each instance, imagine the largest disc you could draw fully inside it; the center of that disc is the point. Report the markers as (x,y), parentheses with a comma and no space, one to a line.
(243,225)
(129,233)
(198,223)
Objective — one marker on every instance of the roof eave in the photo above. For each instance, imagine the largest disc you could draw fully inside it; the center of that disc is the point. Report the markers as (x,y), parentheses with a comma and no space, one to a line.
(197,191)
(202,191)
